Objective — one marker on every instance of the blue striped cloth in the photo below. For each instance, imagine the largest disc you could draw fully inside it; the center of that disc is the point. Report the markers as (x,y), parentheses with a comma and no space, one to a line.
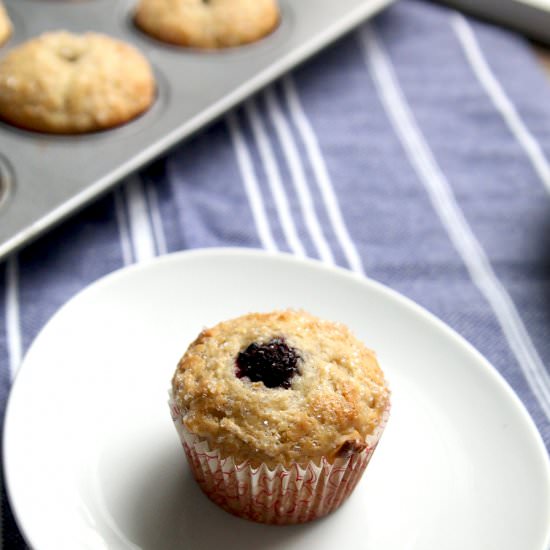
(414,150)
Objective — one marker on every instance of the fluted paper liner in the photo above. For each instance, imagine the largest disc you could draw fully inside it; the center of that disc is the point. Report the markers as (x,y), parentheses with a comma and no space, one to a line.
(284,495)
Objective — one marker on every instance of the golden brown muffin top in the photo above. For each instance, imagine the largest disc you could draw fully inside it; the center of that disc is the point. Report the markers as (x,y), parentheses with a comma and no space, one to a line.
(61,82)
(5,25)
(207,23)
(327,392)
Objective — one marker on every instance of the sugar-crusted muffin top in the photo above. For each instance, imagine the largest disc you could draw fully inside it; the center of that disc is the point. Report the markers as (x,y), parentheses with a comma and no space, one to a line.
(280,387)
(207,24)
(61,82)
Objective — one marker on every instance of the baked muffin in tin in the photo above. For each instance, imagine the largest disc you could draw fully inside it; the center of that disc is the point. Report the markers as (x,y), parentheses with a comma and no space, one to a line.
(5,25)
(68,83)
(207,24)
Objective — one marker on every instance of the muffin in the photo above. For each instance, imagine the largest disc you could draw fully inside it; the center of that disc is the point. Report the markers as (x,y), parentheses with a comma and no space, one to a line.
(207,24)
(5,25)
(279,414)
(67,83)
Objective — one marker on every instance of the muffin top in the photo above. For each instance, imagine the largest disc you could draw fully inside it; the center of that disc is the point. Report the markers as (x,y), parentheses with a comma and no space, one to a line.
(280,387)
(5,24)
(62,82)
(207,23)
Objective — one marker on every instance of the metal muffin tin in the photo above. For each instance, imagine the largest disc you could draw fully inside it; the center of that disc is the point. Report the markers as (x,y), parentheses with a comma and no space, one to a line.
(43,177)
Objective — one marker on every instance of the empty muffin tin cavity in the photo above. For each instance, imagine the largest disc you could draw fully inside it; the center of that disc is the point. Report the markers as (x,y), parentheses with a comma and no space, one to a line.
(6,181)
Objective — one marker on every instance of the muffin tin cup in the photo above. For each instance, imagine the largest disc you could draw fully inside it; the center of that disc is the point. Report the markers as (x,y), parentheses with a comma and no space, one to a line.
(282,496)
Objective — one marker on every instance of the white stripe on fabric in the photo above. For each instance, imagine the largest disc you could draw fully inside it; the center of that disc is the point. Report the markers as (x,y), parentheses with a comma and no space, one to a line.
(250,183)
(274,178)
(156,218)
(138,215)
(452,218)
(321,174)
(13,324)
(487,79)
(298,176)
(123,231)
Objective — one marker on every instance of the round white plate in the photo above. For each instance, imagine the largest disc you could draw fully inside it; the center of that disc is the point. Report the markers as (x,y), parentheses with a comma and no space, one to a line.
(92,459)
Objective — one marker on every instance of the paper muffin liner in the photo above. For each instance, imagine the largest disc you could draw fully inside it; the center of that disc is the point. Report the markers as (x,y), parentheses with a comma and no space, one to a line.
(283,495)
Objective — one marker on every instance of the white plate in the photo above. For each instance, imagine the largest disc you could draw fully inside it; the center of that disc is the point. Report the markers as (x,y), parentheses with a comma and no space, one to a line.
(92,459)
